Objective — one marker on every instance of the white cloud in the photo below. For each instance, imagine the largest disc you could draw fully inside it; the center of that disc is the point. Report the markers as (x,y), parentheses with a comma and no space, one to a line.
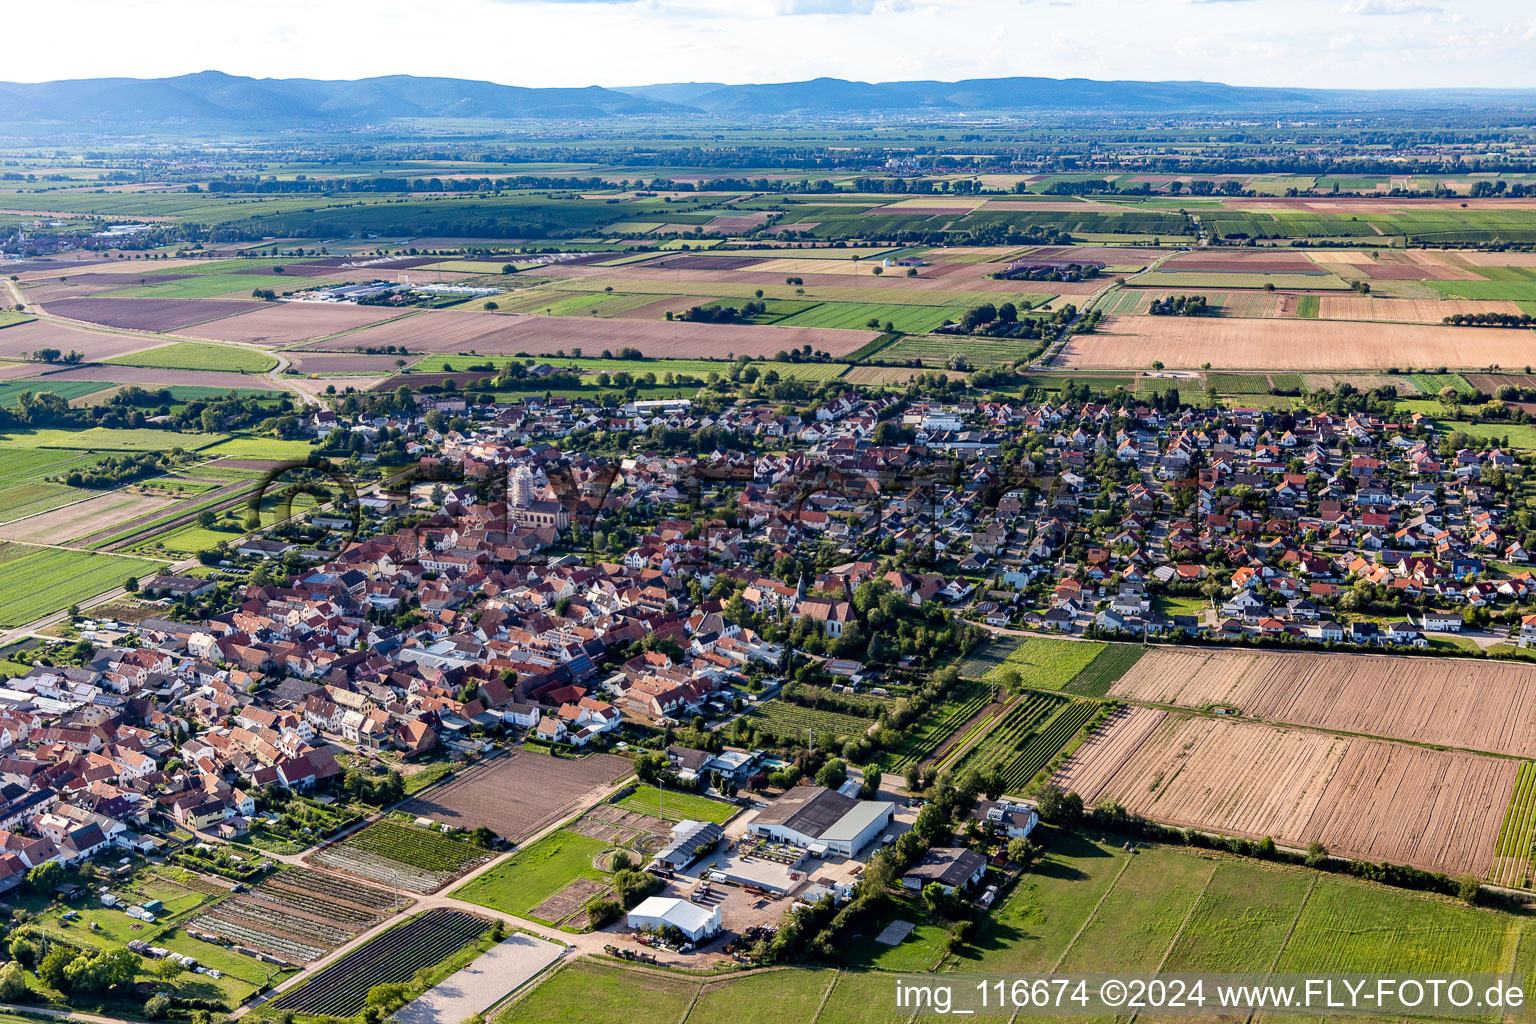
(1390,7)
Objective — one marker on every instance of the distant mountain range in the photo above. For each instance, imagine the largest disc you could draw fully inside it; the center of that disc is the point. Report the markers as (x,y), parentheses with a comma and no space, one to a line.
(213,100)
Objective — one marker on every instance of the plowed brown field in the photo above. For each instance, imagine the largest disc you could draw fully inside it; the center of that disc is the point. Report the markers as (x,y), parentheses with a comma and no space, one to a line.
(1450,702)
(1361,798)
(1228,344)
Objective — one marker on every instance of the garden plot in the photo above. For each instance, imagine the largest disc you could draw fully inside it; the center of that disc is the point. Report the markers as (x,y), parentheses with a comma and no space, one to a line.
(297,915)
(569,901)
(522,794)
(410,856)
(620,827)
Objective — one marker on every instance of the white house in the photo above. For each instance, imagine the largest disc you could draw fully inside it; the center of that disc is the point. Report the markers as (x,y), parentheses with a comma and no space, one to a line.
(694,921)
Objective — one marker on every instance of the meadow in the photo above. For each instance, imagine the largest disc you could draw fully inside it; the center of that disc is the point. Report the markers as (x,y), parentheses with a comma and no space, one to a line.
(40,581)
(529,877)
(188,355)
(1046,663)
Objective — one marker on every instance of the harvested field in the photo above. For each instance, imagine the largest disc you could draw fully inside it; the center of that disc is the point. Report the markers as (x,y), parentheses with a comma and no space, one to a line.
(286,323)
(1133,342)
(1361,798)
(83,517)
(494,333)
(1425,311)
(1483,705)
(148,314)
(884,374)
(520,795)
(28,338)
(298,915)
(155,377)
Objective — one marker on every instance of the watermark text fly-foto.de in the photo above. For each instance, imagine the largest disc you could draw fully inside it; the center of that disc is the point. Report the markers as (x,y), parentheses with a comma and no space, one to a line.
(1452,995)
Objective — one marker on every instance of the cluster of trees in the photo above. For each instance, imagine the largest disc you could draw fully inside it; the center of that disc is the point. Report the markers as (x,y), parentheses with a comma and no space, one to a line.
(1179,305)
(53,355)
(115,470)
(722,314)
(1489,319)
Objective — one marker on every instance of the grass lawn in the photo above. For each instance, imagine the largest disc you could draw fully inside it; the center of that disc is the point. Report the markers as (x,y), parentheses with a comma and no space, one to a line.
(1350,926)
(188,540)
(259,448)
(1144,912)
(11,390)
(46,580)
(1242,918)
(108,439)
(1521,435)
(1030,930)
(537,872)
(187,355)
(919,951)
(766,997)
(674,806)
(1046,663)
(1168,605)
(588,992)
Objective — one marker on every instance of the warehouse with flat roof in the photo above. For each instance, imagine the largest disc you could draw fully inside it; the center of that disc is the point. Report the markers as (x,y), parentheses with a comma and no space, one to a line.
(823,821)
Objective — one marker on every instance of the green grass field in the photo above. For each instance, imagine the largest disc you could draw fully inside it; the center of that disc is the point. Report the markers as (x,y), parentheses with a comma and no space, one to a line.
(39,581)
(674,806)
(699,369)
(11,390)
(535,873)
(979,352)
(1046,663)
(188,355)
(1520,435)
(1114,661)
(108,439)
(258,448)
(10,318)
(1432,384)
(24,488)
(1308,306)
(856,316)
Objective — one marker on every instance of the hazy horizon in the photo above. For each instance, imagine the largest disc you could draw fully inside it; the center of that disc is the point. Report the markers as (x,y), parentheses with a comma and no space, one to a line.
(1345,44)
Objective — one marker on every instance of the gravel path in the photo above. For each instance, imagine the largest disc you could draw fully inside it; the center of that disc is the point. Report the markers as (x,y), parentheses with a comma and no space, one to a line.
(492,976)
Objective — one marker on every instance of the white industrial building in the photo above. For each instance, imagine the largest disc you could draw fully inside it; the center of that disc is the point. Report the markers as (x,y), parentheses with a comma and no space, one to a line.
(823,821)
(696,922)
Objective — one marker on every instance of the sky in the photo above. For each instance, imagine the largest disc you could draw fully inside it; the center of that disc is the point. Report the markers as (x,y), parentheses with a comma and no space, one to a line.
(1315,43)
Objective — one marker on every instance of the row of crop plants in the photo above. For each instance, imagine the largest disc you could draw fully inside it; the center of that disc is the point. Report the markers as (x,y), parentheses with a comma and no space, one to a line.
(1046,743)
(1005,738)
(397,956)
(1512,853)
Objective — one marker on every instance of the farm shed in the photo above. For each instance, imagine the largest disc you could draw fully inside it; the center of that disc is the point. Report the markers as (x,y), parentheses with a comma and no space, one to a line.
(661,911)
(688,837)
(951,867)
(813,817)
